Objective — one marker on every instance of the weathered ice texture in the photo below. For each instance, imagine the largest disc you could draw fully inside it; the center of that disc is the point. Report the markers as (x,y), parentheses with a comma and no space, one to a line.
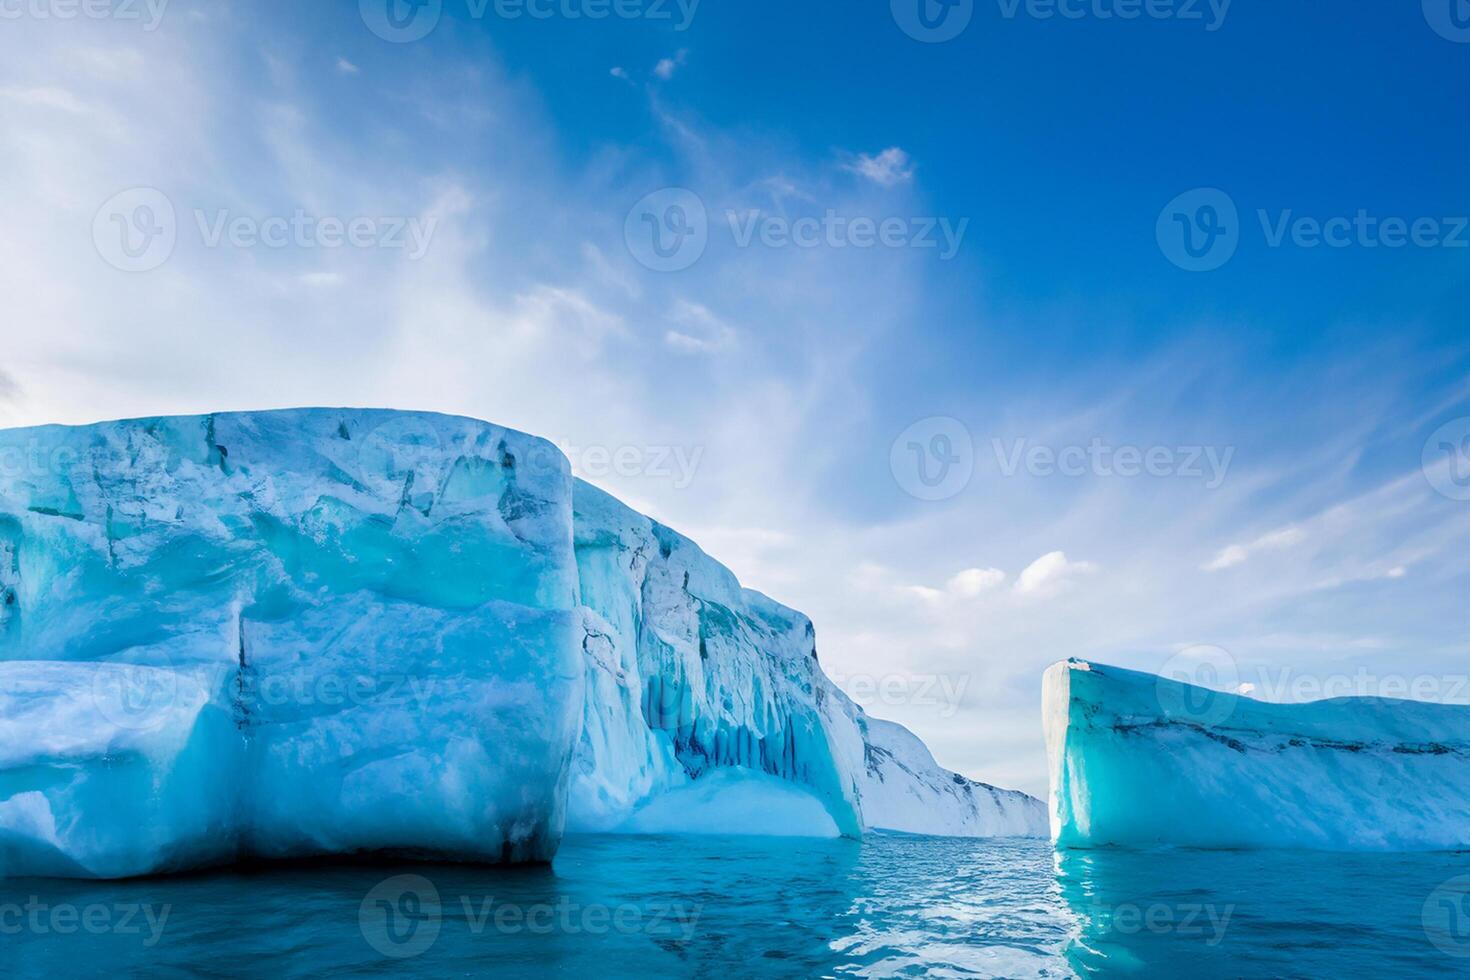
(1142,760)
(287,634)
(687,672)
(283,634)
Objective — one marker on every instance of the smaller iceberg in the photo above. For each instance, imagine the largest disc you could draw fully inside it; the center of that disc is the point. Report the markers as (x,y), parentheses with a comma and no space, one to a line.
(1140,760)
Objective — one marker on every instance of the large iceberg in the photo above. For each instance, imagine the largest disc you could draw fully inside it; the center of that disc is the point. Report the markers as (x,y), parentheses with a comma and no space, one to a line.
(1141,760)
(286,634)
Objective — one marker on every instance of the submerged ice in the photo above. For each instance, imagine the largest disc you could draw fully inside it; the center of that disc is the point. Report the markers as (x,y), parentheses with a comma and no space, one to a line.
(1142,760)
(297,633)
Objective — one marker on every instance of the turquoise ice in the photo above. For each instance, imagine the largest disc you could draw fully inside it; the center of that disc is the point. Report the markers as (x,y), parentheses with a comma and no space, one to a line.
(298,633)
(1142,760)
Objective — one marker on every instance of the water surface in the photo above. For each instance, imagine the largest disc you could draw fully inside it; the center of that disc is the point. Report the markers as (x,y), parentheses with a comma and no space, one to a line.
(648,907)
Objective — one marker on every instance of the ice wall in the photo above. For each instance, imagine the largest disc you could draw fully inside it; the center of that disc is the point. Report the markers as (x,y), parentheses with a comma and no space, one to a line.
(687,673)
(1142,760)
(297,633)
(283,634)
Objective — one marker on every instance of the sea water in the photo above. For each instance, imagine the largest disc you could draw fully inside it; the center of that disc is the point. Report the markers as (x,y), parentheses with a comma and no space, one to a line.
(735,907)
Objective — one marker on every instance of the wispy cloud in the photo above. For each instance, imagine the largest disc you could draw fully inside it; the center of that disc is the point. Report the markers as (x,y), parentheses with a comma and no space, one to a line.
(1237,554)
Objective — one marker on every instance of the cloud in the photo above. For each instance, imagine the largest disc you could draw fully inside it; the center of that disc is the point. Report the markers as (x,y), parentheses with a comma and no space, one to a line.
(346,67)
(975,581)
(968,584)
(701,332)
(1050,574)
(1237,554)
(888,169)
(666,67)
(45,97)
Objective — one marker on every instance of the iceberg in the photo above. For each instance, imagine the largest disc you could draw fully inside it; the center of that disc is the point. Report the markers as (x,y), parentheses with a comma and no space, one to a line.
(688,674)
(314,632)
(1140,760)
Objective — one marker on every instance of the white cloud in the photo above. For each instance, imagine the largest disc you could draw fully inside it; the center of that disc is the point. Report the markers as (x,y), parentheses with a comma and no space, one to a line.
(346,67)
(887,169)
(1236,554)
(666,67)
(975,581)
(44,97)
(1050,574)
(701,332)
(618,71)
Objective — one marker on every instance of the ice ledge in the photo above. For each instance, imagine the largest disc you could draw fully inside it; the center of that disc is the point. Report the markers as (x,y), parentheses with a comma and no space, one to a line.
(1140,760)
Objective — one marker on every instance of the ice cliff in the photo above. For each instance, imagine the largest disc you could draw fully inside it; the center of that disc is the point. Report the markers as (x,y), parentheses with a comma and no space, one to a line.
(287,634)
(1142,760)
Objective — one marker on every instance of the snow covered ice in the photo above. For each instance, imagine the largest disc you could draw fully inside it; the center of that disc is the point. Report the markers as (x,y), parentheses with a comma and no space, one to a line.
(1142,760)
(286,634)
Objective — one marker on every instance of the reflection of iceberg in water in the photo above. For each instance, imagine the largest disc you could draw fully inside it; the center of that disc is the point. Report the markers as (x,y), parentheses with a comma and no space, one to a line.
(1199,913)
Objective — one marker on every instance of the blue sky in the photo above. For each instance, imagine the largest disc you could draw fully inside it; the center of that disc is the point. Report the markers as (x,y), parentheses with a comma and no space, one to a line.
(1314,375)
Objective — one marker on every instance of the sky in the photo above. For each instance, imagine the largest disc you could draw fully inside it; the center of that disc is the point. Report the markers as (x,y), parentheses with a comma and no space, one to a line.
(987,333)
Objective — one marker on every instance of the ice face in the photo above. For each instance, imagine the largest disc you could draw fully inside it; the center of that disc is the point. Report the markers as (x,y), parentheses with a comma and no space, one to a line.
(287,634)
(689,674)
(1142,760)
(283,634)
